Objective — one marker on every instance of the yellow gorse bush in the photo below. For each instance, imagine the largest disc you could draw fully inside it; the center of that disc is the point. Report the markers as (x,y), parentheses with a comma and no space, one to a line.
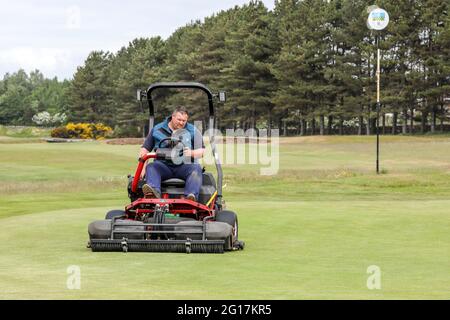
(82,131)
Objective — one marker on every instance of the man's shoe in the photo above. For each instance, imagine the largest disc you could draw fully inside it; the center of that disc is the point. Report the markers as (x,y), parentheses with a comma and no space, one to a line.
(149,192)
(191,197)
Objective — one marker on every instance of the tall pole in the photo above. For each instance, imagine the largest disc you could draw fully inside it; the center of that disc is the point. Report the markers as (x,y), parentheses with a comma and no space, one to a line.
(378,104)
(378,20)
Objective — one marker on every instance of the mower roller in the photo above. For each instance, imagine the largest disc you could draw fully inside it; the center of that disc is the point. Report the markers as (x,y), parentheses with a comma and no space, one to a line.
(170,223)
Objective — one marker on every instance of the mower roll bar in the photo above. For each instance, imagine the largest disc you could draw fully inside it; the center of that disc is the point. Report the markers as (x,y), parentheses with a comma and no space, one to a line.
(210,95)
(180,85)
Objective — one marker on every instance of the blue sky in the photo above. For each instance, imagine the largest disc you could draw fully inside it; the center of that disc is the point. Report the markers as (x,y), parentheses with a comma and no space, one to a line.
(56,36)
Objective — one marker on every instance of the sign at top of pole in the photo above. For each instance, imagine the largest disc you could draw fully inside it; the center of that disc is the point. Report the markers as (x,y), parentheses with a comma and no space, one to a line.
(378,19)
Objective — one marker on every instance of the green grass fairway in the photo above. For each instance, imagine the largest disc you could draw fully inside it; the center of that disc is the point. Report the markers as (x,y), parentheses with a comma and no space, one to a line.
(311,231)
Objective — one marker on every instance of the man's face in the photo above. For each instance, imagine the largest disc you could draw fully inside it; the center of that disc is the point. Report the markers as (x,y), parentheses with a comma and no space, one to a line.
(179,120)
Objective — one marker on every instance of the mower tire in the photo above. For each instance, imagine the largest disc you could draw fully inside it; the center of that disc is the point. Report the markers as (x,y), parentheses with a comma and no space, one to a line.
(229,217)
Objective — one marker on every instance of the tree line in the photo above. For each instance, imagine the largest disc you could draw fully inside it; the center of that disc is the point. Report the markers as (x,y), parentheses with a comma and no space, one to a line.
(306,67)
(22,96)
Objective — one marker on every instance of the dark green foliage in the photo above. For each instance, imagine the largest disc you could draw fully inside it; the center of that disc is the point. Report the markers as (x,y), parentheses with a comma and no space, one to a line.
(23,95)
(90,91)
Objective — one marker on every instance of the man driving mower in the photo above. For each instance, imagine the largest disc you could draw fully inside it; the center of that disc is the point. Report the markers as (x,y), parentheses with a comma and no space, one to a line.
(166,134)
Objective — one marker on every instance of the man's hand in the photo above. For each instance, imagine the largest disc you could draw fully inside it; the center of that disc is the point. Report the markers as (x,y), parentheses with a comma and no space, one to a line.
(187,152)
(197,153)
(143,152)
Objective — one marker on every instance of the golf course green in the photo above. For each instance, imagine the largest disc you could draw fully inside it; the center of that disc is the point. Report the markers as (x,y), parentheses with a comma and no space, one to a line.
(315,230)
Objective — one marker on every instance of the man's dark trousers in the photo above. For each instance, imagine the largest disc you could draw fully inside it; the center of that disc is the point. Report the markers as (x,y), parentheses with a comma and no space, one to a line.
(191,173)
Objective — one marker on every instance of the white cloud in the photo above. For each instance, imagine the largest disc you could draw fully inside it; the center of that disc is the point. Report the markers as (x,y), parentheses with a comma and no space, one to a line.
(56,37)
(48,60)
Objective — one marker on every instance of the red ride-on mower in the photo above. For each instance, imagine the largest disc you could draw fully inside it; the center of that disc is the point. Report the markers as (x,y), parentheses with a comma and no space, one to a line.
(171,223)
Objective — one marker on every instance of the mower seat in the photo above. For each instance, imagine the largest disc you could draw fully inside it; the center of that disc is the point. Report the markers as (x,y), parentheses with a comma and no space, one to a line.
(173,182)
(175,187)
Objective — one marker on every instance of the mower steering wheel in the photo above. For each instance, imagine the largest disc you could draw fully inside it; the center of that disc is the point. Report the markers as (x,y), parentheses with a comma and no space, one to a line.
(173,142)
(173,152)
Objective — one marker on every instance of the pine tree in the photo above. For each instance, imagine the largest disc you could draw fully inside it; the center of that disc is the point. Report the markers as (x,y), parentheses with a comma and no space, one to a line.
(300,67)
(90,92)
(434,54)
(142,66)
(252,45)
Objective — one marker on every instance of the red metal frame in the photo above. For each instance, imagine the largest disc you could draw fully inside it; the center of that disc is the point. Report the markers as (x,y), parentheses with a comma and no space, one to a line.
(137,174)
(176,206)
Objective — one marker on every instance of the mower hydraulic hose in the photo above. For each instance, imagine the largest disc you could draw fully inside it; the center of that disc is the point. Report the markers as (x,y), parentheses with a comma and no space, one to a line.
(137,174)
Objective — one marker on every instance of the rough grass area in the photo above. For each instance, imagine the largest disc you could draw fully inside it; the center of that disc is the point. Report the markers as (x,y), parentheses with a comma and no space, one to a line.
(311,231)
(24,132)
